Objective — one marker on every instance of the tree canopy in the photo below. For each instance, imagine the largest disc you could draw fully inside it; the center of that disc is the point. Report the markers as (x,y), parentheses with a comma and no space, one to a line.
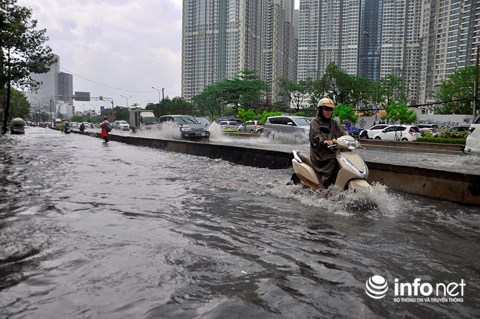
(23,51)
(246,90)
(400,112)
(457,92)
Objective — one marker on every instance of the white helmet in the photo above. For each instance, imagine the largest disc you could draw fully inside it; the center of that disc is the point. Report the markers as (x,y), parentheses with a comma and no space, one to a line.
(326,102)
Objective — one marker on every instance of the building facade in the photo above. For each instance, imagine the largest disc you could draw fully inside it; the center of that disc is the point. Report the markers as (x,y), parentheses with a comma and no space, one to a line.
(55,93)
(421,41)
(221,38)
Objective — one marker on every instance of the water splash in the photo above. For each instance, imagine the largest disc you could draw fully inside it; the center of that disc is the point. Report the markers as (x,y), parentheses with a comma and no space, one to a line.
(472,160)
(367,203)
(216,132)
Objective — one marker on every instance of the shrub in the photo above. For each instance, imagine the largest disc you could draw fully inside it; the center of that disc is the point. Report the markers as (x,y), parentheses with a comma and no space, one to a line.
(438,139)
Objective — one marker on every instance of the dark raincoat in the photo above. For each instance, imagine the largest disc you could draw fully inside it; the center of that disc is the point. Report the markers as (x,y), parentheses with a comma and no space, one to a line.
(323,159)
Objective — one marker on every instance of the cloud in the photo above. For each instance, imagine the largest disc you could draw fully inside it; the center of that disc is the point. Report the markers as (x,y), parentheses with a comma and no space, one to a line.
(115,47)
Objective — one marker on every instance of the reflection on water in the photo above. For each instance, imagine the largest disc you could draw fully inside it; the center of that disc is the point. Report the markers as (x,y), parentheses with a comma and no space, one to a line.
(89,230)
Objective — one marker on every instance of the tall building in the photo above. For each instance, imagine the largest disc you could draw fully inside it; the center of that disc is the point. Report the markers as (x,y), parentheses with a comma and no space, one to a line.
(422,41)
(450,34)
(65,93)
(55,93)
(328,32)
(223,37)
(42,97)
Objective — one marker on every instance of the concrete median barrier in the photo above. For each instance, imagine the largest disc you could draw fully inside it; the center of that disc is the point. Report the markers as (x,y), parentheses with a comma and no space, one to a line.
(440,184)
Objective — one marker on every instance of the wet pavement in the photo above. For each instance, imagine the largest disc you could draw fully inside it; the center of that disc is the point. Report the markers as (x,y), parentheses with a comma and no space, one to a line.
(89,230)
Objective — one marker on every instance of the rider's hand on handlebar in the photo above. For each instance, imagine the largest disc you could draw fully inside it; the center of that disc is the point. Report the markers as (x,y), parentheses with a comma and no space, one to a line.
(328,142)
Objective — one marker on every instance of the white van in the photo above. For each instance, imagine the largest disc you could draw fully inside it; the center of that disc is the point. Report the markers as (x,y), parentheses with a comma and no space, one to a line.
(472,145)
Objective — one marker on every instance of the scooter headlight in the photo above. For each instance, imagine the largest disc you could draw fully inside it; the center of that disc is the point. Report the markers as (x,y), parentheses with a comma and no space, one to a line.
(351,144)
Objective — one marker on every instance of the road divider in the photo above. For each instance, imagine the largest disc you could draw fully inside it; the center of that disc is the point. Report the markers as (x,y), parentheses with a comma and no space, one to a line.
(435,183)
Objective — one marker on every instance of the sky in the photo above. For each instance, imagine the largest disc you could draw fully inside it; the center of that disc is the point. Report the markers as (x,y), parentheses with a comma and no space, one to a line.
(118,49)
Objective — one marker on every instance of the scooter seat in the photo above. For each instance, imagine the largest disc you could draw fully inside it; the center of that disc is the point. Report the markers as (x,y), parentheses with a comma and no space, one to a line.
(305,157)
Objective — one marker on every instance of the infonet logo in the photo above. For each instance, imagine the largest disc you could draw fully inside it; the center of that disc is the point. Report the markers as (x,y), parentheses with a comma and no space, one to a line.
(376,287)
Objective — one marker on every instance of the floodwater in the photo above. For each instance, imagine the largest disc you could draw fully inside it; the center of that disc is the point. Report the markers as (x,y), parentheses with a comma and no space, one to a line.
(89,230)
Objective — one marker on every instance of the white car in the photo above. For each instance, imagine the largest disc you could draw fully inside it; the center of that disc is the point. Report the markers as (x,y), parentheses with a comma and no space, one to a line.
(295,126)
(370,133)
(404,133)
(121,125)
(472,144)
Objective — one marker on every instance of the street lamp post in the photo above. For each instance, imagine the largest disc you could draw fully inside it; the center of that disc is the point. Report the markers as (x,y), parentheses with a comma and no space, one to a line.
(126,98)
(159,96)
(160,99)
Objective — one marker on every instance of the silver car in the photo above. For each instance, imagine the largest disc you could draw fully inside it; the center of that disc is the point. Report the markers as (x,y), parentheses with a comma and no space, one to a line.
(252,126)
(297,127)
(188,125)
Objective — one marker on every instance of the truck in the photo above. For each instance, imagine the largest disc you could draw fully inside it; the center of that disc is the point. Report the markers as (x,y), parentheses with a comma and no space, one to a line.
(141,119)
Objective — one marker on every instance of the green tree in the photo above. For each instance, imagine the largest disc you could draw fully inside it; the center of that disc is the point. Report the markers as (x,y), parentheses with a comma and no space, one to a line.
(246,90)
(78,118)
(22,51)
(457,92)
(345,113)
(400,112)
(210,101)
(19,106)
(343,88)
(391,89)
(287,89)
(247,115)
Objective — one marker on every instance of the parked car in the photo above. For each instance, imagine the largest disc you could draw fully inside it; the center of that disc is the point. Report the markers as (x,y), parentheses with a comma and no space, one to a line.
(472,144)
(188,125)
(454,131)
(459,128)
(432,128)
(253,126)
(355,130)
(121,125)
(399,133)
(370,133)
(228,125)
(294,126)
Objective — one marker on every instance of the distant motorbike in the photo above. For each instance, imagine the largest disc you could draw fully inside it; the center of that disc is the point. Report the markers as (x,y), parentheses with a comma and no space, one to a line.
(353,170)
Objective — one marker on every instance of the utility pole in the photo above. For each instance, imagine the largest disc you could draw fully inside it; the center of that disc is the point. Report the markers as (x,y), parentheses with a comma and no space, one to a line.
(476,98)
(162,109)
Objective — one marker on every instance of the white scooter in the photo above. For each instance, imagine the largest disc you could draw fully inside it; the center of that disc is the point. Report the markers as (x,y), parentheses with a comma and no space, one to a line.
(353,170)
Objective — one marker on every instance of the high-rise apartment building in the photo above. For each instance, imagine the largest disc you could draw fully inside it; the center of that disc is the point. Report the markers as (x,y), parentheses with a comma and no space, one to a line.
(55,93)
(328,31)
(422,41)
(221,38)
(449,36)
(65,93)
(41,98)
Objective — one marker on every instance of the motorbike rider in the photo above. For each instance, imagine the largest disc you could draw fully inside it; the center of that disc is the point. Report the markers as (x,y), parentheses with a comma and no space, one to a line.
(323,130)
(82,127)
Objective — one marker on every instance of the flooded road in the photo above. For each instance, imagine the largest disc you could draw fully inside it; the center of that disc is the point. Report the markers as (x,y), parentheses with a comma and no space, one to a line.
(119,231)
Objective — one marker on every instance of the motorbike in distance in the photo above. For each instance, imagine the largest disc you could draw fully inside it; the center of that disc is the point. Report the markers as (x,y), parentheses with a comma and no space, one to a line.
(352,174)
